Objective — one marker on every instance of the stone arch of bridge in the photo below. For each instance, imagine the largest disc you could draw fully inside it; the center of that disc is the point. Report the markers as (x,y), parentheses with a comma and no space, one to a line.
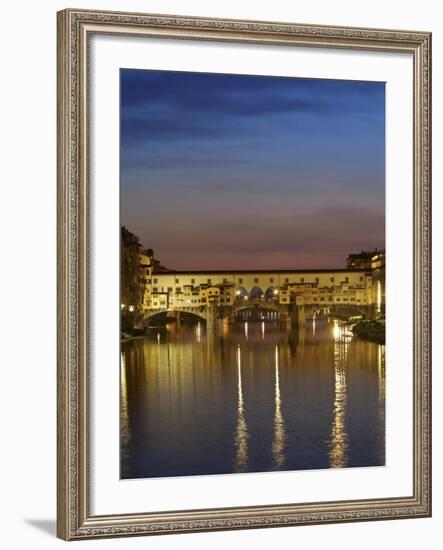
(266,306)
(195,312)
(348,309)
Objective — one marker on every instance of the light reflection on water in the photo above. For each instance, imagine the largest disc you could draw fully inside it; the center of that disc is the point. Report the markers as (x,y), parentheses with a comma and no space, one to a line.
(338,454)
(124,413)
(250,397)
(241,435)
(278,445)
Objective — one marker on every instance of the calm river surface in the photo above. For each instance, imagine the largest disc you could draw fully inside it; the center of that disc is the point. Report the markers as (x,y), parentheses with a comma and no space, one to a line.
(251,397)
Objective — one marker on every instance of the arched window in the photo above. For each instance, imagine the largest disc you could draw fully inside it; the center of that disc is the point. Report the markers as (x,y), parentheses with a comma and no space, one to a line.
(271,294)
(256,293)
(241,293)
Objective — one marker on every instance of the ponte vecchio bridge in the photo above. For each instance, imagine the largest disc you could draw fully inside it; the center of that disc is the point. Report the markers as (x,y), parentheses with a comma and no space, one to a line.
(285,295)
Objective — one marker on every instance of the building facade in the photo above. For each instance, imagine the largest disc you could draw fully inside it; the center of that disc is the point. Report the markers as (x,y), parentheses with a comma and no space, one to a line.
(187,289)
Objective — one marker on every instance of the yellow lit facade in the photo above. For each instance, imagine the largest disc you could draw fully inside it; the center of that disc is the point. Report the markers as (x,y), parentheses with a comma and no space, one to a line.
(168,290)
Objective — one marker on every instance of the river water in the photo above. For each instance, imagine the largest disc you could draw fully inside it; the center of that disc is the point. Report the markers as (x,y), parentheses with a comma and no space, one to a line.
(250,397)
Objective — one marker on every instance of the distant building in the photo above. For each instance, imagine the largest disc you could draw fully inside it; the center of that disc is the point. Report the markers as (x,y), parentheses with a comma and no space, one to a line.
(375,261)
(130,296)
(366,259)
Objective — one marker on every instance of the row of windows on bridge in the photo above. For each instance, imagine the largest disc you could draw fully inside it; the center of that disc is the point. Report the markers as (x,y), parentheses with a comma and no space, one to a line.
(256,281)
(178,290)
(328,299)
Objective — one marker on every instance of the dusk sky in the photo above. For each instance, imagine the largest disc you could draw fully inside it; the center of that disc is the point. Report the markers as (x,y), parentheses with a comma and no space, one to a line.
(252,172)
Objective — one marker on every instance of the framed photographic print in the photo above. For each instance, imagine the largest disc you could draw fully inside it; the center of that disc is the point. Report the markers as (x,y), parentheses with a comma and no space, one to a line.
(244,274)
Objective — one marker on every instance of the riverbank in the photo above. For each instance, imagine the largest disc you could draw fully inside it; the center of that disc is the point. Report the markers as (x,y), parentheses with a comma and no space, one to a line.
(373,331)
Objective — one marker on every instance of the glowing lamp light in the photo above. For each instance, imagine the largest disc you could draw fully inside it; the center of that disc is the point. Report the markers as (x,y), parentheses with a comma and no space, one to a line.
(378,296)
(131,308)
(123,306)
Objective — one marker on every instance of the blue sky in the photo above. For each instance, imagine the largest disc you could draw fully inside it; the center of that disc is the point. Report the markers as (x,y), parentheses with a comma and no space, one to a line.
(252,172)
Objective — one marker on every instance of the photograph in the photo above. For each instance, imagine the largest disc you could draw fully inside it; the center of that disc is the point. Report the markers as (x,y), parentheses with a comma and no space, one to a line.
(252,273)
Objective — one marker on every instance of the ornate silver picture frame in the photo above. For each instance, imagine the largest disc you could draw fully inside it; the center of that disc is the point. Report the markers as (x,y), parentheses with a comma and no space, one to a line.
(75,518)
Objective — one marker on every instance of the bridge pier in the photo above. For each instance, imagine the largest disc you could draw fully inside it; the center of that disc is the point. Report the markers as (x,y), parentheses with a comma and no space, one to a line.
(212,319)
(301,315)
